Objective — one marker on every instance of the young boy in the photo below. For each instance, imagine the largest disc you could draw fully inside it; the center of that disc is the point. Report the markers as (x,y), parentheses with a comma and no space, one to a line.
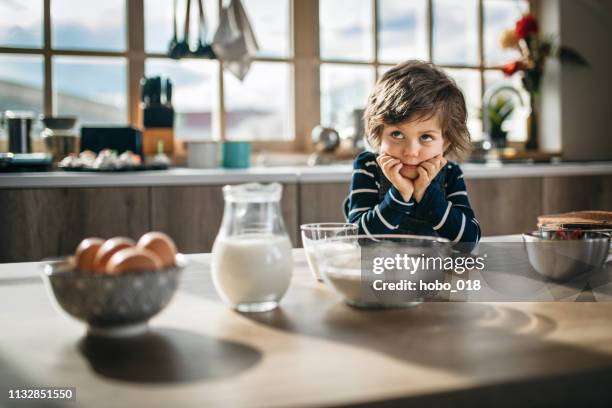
(415,116)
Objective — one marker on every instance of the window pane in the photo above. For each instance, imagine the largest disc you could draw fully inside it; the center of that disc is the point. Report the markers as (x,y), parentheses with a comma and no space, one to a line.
(500,15)
(469,82)
(260,107)
(403,30)
(455,32)
(270,20)
(91,25)
(158,23)
(21,83)
(516,125)
(345,29)
(21,23)
(93,89)
(194,92)
(382,69)
(344,88)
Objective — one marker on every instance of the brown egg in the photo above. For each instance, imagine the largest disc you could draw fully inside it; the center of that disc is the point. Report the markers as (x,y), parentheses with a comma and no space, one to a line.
(86,253)
(108,249)
(161,244)
(133,260)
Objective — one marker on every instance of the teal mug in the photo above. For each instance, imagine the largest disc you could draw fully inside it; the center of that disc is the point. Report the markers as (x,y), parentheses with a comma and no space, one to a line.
(236,155)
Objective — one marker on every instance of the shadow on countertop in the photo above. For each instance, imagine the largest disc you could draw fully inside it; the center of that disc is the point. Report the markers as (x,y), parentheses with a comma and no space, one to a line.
(167,356)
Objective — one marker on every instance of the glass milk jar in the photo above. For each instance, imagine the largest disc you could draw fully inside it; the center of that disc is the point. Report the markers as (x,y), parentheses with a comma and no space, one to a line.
(251,257)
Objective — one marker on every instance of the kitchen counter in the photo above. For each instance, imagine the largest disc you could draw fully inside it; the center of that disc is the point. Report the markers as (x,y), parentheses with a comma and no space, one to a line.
(301,174)
(312,351)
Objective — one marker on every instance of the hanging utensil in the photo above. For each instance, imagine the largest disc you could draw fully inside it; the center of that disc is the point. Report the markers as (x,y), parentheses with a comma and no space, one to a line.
(172,47)
(234,40)
(182,48)
(204,50)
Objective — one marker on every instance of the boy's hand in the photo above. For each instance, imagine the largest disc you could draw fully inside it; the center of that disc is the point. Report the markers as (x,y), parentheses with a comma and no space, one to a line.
(427,170)
(391,169)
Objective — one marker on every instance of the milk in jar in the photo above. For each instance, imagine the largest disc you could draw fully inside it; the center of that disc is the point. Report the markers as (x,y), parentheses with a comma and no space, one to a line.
(252,262)
(252,268)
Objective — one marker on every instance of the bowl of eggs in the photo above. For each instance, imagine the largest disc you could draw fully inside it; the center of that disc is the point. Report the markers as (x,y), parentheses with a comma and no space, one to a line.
(116,285)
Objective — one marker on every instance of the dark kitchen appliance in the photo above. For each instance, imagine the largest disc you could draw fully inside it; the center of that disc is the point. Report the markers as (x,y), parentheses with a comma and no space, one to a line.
(10,162)
(120,139)
(18,128)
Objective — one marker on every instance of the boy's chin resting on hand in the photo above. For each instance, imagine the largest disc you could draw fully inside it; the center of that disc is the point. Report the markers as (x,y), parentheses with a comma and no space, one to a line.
(411,180)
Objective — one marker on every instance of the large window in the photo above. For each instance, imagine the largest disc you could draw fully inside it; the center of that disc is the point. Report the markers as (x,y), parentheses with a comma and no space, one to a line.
(65,57)
(373,35)
(86,58)
(210,104)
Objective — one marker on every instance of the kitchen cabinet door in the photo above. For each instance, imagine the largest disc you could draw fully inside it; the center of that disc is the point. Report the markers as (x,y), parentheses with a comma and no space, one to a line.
(192,215)
(322,202)
(40,223)
(506,205)
(575,193)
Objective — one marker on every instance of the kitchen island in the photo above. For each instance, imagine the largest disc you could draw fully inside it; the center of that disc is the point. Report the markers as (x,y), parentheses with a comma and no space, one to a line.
(48,214)
(313,351)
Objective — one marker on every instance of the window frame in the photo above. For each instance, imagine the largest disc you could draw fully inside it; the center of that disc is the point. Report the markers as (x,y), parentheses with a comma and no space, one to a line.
(375,63)
(304,60)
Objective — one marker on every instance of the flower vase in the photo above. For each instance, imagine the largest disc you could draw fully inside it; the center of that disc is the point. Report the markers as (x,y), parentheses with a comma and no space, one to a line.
(533,139)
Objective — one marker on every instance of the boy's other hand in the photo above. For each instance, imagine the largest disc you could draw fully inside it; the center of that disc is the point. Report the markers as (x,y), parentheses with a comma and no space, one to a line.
(427,170)
(391,169)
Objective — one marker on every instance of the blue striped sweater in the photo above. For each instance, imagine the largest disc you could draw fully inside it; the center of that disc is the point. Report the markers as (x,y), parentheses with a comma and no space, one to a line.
(378,207)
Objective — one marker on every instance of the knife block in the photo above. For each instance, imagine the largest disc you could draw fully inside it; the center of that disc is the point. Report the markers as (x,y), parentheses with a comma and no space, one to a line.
(152,136)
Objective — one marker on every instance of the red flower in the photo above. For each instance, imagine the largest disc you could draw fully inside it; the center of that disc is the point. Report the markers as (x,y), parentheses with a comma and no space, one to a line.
(513,67)
(526,26)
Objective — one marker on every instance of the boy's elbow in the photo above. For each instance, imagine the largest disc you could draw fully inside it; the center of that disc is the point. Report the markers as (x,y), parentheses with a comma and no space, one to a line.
(469,241)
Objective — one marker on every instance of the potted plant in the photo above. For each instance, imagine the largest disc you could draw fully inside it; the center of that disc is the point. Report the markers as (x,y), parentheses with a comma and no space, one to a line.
(499,110)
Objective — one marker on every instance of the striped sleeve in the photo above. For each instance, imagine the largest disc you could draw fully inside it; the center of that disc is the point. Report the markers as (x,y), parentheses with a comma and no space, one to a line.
(365,208)
(451,215)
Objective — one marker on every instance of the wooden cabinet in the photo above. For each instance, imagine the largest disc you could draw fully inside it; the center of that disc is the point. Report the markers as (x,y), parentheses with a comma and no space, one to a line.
(321,202)
(506,205)
(39,223)
(192,215)
(42,223)
(512,205)
(562,194)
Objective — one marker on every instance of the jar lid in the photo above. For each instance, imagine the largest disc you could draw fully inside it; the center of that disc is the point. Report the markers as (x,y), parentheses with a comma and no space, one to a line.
(253,192)
(10,114)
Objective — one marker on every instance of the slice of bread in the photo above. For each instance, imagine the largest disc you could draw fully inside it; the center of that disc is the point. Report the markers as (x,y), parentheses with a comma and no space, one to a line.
(600,218)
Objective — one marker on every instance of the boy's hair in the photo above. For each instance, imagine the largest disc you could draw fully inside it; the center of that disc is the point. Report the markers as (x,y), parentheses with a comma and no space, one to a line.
(417,90)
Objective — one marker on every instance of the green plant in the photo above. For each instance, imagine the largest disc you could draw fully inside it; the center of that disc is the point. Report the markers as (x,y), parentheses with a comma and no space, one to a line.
(499,110)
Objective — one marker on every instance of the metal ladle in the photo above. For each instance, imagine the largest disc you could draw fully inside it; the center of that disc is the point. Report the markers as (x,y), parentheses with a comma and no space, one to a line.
(172,47)
(182,47)
(204,50)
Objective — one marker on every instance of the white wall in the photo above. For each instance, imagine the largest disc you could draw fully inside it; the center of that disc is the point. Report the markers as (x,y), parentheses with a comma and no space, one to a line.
(576,101)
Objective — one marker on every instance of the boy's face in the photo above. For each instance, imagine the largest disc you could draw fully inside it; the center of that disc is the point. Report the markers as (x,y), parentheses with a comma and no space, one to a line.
(413,142)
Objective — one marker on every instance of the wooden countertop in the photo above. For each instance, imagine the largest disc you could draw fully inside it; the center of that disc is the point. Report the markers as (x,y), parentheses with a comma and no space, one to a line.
(313,351)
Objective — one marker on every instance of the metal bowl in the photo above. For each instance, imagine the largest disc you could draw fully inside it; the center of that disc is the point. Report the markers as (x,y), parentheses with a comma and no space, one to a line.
(563,259)
(112,305)
(58,122)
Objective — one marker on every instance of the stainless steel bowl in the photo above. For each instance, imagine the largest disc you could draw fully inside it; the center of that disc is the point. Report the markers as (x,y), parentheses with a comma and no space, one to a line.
(112,305)
(562,259)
